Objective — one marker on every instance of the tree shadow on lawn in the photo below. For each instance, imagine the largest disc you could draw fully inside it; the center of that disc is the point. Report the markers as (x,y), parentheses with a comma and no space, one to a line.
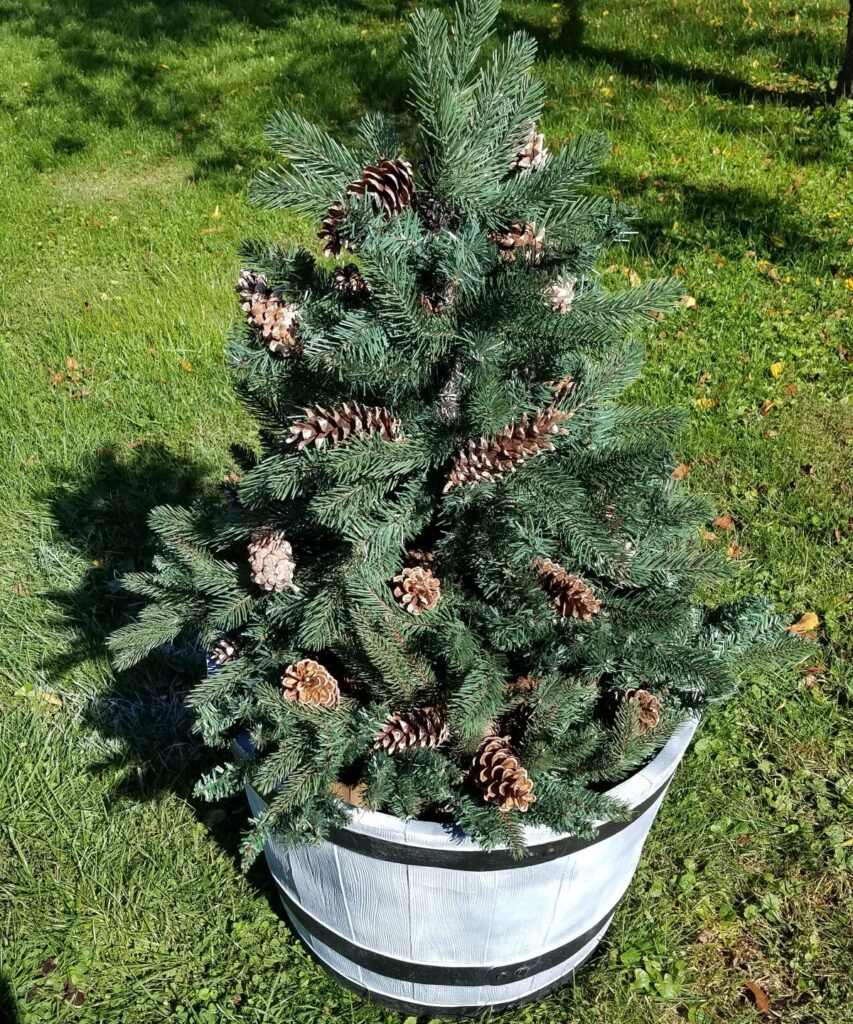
(8,1004)
(795,53)
(142,727)
(116,62)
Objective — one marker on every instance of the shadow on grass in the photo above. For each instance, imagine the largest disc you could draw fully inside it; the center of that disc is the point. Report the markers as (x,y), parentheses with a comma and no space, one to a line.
(8,1004)
(795,52)
(143,736)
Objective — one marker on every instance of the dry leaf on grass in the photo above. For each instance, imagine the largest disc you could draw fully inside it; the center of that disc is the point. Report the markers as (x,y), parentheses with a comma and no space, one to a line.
(759,997)
(777,369)
(680,471)
(724,522)
(807,623)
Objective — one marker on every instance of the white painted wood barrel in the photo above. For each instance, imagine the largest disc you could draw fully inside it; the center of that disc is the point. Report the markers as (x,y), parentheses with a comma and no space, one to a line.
(427,922)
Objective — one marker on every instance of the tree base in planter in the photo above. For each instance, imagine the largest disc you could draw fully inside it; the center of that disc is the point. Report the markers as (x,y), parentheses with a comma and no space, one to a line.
(426,921)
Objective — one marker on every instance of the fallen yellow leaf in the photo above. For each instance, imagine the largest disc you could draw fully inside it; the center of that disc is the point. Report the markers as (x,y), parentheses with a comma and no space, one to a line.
(767,405)
(187,365)
(687,302)
(808,622)
(705,403)
(777,368)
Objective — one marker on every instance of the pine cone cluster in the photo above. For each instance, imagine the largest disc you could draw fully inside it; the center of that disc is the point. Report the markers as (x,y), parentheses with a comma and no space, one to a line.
(561,388)
(519,239)
(419,727)
(489,458)
(271,560)
(572,598)
(390,184)
(561,294)
(321,425)
(648,709)
(348,279)
(308,682)
(416,556)
(276,320)
(501,775)
(224,650)
(417,590)
(532,154)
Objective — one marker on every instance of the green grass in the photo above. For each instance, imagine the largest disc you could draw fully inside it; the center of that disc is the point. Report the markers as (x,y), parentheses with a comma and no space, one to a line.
(129,133)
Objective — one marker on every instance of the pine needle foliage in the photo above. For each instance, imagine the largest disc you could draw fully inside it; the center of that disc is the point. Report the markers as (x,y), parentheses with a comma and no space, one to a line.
(456,337)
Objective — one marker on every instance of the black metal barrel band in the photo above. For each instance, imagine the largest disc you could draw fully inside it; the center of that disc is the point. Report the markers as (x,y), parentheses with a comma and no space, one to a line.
(440,974)
(483,860)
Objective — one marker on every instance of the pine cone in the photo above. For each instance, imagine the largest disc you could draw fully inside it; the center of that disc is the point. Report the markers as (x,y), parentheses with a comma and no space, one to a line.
(437,300)
(561,294)
(489,458)
(532,154)
(335,425)
(570,596)
(348,280)
(524,684)
(308,682)
(519,238)
(501,776)
(561,388)
(271,560)
(415,556)
(436,213)
(330,230)
(224,650)
(417,590)
(419,727)
(276,320)
(390,184)
(648,709)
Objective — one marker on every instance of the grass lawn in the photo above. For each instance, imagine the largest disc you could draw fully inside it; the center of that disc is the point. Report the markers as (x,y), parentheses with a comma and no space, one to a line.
(129,130)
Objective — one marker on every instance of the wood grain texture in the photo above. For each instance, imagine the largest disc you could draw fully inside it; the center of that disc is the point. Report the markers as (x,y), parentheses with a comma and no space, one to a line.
(446,919)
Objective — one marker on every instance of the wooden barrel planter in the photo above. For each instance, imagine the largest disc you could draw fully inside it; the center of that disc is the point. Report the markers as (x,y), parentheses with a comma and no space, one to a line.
(427,922)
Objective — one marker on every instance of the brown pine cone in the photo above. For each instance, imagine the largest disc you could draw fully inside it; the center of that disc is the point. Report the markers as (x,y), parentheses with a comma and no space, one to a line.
(415,556)
(501,775)
(271,560)
(532,154)
(390,184)
(330,230)
(648,709)
(224,650)
(561,388)
(308,682)
(561,294)
(524,684)
(489,458)
(276,320)
(437,300)
(519,239)
(348,280)
(569,595)
(419,727)
(335,425)
(417,590)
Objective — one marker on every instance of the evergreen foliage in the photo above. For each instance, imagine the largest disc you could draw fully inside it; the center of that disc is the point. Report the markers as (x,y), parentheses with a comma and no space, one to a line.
(465,424)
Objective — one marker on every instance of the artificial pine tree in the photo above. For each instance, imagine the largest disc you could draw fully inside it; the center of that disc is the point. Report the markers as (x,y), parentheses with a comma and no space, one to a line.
(451,512)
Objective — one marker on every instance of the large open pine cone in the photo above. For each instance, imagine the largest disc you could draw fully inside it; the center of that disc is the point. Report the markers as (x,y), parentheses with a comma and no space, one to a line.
(419,727)
(570,596)
(518,239)
(489,458)
(308,682)
(390,184)
(501,775)
(271,559)
(417,589)
(321,425)
(648,708)
(276,320)
(532,154)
